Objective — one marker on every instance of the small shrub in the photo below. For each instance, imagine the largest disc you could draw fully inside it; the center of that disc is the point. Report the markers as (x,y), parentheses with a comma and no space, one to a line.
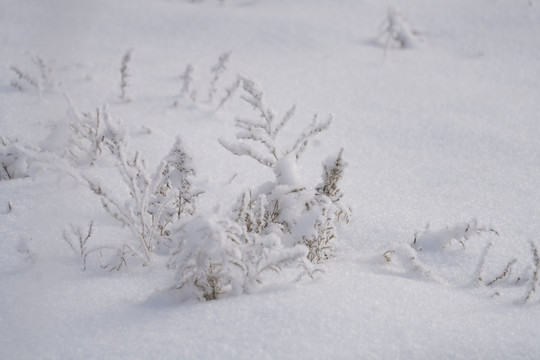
(292,210)
(173,194)
(261,249)
(218,256)
(154,202)
(202,260)
(329,210)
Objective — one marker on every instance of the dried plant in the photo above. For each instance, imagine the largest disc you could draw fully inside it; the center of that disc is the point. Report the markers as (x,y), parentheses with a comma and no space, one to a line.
(440,239)
(16,158)
(173,193)
(258,138)
(330,188)
(230,91)
(259,239)
(218,256)
(326,204)
(395,31)
(505,274)
(77,240)
(429,245)
(217,71)
(405,258)
(154,202)
(88,136)
(478,278)
(202,258)
(297,213)
(24,77)
(41,82)
(124,75)
(187,78)
(535,278)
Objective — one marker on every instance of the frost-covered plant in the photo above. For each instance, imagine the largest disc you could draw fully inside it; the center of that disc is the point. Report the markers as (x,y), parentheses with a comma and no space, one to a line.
(405,258)
(258,138)
(202,261)
(154,202)
(258,238)
(89,135)
(133,212)
(505,274)
(429,244)
(299,214)
(111,258)
(327,209)
(443,238)
(16,158)
(124,75)
(535,277)
(77,240)
(395,31)
(19,159)
(41,82)
(173,194)
(216,73)
(187,78)
(509,277)
(478,273)
(451,244)
(218,255)
(229,92)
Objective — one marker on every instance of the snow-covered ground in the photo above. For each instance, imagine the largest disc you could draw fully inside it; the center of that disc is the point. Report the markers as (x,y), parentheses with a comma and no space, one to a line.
(445,132)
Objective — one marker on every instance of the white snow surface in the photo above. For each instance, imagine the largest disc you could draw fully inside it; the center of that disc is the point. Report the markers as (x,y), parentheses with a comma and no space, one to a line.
(443,134)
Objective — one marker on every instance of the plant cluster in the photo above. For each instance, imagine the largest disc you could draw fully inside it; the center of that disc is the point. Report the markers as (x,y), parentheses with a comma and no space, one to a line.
(154,202)
(274,231)
(464,266)
(188,93)
(282,225)
(303,215)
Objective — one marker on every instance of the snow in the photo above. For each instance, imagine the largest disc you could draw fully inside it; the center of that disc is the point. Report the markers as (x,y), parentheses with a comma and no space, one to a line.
(438,134)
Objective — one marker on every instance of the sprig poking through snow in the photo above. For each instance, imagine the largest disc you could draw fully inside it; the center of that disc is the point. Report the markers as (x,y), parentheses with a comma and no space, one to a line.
(395,32)
(124,75)
(258,137)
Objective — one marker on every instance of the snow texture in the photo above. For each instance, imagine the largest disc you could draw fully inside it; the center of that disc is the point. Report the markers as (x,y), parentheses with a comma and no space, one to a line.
(435,106)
